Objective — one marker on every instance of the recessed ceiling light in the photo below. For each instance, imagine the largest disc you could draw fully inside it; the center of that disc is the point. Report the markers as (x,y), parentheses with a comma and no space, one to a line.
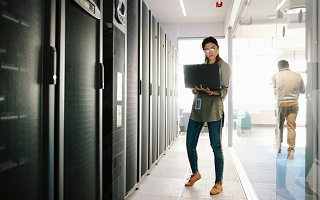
(182,7)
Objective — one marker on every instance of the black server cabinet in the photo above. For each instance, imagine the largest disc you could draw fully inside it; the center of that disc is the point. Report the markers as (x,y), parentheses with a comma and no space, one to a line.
(167,73)
(154,89)
(170,110)
(24,99)
(158,89)
(132,95)
(171,93)
(168,85)
(114,96)
(162,92)
(145,92)
(79,91)
(175,97)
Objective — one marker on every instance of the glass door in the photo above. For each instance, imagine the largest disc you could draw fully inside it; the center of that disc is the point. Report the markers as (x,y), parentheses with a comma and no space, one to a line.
(274,170)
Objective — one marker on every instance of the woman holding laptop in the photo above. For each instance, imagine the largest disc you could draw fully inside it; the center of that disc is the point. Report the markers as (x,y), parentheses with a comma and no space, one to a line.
(208,107)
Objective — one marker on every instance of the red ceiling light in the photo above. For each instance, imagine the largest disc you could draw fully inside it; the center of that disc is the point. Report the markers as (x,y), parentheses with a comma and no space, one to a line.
(219,4)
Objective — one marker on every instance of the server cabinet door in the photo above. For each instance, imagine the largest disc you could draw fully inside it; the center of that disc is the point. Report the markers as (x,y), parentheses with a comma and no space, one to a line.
(171,108)
(21,50)
(167,78)
(145,97)
(154,75)
(114,99)
(162,128)
(81,101)
(175,92)
(158,89)
(168,98)
(132,95)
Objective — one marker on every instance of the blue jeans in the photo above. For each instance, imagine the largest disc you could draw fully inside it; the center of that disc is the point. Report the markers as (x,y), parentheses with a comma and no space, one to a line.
(193,132)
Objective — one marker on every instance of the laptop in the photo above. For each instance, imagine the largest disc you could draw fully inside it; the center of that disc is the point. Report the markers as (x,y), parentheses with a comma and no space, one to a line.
(205,74)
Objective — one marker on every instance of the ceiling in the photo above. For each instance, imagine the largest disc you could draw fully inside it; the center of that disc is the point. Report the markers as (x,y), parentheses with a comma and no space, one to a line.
(198,11)
(204,11)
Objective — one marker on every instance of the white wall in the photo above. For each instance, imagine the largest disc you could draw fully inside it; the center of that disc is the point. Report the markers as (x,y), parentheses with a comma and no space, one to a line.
(171,31)
(193,30)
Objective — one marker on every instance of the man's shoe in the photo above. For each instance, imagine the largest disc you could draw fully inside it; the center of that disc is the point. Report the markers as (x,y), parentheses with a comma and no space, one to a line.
(290,154)
(216,189)
(193,179)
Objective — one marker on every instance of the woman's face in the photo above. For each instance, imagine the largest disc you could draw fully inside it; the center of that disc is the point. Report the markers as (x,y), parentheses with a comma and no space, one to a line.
(211,51)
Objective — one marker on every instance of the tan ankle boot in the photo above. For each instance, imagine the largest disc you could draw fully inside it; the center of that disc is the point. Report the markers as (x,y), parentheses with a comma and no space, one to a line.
(216,189)
(193,179)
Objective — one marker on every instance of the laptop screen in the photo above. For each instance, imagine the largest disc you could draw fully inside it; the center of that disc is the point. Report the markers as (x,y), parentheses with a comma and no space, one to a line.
(206,75)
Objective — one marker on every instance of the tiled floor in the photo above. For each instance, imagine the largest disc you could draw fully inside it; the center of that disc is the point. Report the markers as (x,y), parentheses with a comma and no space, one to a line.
(166,179)
(260,166)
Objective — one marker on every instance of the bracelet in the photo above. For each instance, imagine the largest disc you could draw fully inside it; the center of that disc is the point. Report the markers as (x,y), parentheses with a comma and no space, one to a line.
(210,93)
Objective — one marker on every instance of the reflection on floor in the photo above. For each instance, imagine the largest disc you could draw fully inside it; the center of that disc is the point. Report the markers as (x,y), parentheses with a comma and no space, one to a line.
(271,174)
(166,179)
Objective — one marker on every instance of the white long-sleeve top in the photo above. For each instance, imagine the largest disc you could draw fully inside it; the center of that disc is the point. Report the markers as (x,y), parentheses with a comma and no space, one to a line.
(288,85)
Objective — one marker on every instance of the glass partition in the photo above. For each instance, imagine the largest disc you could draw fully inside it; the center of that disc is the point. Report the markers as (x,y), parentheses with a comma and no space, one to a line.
(276,169)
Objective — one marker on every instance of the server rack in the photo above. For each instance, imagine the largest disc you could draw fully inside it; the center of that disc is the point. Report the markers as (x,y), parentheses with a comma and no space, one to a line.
(171,98)
(53,140)
(132,95)
(159,90)
(175,83)
(144,102)
(154,89)
(169,92)
(162,128)
(114,95)
(167,78)
(78,113)
(46,154)
(25,122)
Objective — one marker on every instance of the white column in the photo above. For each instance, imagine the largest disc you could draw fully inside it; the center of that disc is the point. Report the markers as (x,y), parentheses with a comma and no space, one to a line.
(230,90)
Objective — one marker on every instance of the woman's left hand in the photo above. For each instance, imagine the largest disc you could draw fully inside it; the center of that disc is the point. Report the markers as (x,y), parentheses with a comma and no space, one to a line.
(206,90)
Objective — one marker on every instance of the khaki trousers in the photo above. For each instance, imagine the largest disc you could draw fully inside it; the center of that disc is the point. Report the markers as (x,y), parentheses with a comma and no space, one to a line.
(288,111)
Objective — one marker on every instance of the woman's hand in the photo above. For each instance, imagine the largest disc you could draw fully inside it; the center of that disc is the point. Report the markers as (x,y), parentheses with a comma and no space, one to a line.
(207,90)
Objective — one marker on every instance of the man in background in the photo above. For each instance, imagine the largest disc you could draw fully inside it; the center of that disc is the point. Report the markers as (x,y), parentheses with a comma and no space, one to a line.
(288,85)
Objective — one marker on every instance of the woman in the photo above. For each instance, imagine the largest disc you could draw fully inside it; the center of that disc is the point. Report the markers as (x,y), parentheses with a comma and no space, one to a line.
(210,110)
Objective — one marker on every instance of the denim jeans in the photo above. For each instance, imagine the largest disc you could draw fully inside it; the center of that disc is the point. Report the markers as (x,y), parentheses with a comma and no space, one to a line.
(193,132)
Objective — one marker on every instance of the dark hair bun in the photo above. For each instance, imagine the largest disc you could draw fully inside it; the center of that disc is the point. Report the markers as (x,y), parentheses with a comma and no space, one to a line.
(208,40)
